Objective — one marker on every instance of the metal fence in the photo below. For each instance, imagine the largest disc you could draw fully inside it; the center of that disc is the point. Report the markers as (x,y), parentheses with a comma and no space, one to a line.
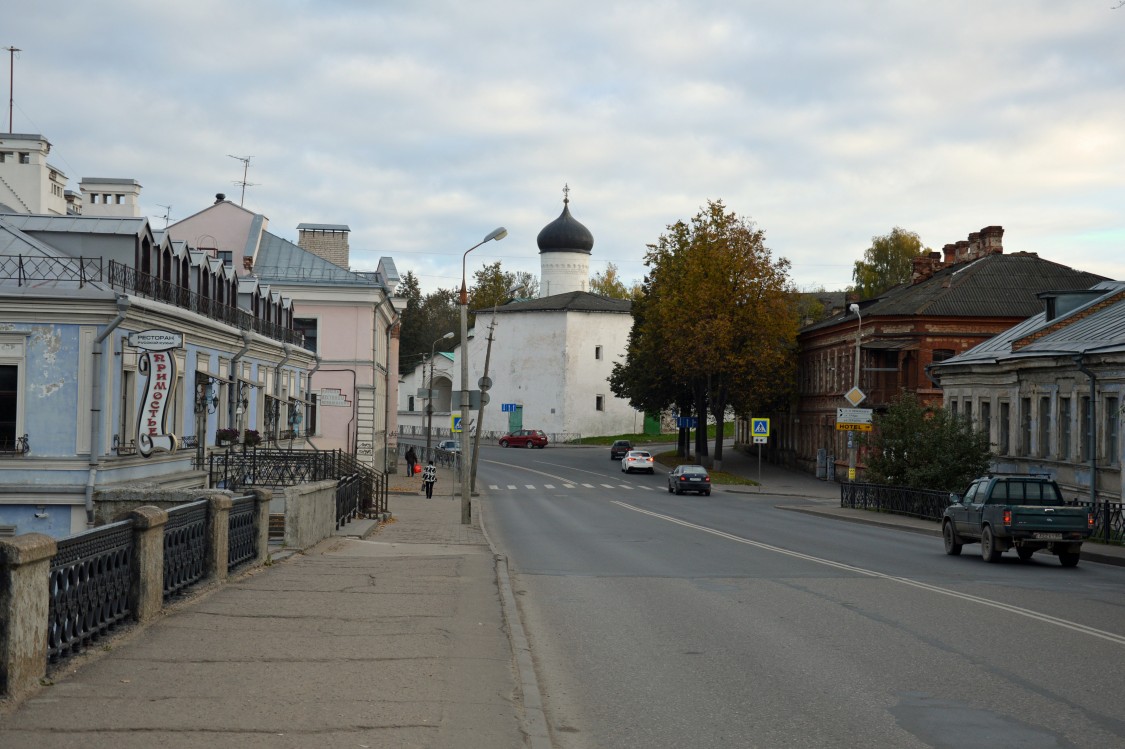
(242,531)
(1109,517)
(185,547)
(90,587)
(34,268)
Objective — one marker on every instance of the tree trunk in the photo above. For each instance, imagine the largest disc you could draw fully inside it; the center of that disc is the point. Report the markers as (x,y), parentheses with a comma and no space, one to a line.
(701,424)
(720,404)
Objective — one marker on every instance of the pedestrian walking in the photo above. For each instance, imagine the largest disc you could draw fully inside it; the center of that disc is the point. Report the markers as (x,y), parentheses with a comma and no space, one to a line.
(411,460)
(429,478)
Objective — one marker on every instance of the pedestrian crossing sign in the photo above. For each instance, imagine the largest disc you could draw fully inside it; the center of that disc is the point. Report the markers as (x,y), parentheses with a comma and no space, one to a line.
(760,427)
(456,426)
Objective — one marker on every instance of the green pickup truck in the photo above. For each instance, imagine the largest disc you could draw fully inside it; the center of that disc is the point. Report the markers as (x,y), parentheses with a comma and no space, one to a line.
(1023,512)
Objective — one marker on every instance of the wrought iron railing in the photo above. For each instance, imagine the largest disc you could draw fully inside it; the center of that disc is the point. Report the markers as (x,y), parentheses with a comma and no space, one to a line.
(26,269)
(349,500)
(131,280)
(899,500)
(242,533)
(90,587)
(1109,520)
(185,547)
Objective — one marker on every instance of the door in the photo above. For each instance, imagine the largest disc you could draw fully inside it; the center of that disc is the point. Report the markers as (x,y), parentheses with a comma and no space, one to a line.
(515,419)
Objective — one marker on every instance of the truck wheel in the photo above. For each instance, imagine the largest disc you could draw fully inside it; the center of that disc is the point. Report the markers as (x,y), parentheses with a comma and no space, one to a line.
(952,543)
(1025,552)
(988,550)
(1069,558)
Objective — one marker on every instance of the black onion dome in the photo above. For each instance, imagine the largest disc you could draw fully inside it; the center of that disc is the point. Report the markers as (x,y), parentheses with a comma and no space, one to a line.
(565,234)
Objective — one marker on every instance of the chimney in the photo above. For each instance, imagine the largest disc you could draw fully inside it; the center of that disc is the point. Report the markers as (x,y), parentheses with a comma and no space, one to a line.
(950,251)
(974,244)
(962,250)
(327,241)
(247,263)
(925,266)
(220,197)
(992,239)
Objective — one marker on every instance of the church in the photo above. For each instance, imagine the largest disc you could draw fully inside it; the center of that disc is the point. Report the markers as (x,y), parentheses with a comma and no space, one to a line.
(550,358)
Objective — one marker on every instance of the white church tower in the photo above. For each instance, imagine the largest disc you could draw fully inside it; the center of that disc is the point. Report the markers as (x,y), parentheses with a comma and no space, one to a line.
(564,254)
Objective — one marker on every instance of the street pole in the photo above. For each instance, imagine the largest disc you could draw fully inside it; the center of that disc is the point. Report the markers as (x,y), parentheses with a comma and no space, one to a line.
(852,449)
(466,490)
(480,409)
(430,393)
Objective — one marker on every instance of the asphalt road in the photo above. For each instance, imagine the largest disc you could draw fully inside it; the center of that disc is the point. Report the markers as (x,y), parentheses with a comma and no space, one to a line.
(723,621)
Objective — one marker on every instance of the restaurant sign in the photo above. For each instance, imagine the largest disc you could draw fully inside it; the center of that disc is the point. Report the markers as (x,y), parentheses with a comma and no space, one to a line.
(158,365)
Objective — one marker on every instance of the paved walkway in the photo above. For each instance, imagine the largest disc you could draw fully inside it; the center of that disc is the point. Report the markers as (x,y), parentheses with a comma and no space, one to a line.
(392,635)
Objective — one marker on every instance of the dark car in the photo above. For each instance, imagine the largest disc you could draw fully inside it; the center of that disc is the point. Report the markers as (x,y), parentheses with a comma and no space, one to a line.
(689,479)
(619,449)
(524,438)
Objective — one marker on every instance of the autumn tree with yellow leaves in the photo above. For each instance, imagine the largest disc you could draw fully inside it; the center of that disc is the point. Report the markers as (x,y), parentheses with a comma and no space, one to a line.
(716,325)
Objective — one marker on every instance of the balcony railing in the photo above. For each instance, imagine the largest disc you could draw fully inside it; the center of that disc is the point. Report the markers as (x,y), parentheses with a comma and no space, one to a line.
(132,281)
(26,269)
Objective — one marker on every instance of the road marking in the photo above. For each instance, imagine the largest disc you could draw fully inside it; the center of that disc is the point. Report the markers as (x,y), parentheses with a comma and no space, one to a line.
(607,486)
(588,486)
(1045,618)
(529,486)
(511,486)
(548,486)
(493,486)
(568,486)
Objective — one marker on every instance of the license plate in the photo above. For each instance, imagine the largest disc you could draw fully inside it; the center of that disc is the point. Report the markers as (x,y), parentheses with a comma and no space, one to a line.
(694,478)
(1049,536)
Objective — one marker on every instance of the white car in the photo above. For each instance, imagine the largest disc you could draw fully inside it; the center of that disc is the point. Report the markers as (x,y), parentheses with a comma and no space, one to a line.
(450,446)
(637,460)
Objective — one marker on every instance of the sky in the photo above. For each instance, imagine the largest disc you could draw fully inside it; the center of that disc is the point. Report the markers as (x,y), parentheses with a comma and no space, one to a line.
(425,124)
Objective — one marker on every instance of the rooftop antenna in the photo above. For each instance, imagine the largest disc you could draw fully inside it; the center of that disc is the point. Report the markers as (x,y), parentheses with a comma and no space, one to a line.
(11,82)
(243,184)
(167,213)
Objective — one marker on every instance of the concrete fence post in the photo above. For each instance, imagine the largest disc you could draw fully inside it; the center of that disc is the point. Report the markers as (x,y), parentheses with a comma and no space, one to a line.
(218,545)
(264,496)
(25,573)
(148,561)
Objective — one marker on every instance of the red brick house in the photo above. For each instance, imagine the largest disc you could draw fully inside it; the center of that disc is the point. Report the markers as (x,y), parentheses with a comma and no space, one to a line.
(954,301)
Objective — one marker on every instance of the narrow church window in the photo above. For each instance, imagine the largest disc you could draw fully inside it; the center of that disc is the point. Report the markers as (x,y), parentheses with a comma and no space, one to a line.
(597,352)
(599,402)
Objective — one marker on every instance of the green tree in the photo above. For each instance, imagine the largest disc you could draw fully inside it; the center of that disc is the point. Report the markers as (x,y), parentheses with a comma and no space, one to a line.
(608,283)
(886,263)
(716,326)
(491,284)
(926,447)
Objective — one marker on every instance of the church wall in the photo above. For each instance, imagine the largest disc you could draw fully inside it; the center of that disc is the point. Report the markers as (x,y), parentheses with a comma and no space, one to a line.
(588,375)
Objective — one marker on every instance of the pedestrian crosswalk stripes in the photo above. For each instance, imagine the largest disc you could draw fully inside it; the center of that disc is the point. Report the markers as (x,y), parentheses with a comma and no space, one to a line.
(533,487)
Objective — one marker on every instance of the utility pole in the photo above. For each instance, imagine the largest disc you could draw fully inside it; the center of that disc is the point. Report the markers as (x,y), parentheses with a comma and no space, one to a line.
(11,83)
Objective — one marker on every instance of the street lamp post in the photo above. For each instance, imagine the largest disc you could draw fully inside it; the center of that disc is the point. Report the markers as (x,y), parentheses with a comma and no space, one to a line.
(480,409)
(430,393)
(855,384)
(466,511)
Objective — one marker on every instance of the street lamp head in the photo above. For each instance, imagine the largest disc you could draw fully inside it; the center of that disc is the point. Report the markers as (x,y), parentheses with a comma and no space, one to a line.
(497,234)
(853,308)
(518,287)
(447,335)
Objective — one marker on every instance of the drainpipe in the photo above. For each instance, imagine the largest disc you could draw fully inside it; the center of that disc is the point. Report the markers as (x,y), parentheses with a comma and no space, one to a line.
(1092,432)
(308,437)
(96,426)
(232,404)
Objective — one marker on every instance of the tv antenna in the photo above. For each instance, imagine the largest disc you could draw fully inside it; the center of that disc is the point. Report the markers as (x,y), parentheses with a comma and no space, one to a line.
(167,213)
(243,184)
(11,82)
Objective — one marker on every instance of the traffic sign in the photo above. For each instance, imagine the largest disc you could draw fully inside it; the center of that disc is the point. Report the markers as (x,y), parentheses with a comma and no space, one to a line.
(508,407)
(855,396)
(760,427)
(484,383)
(854,415)
(686,422)
(456,424)
(844,426)
(761,440)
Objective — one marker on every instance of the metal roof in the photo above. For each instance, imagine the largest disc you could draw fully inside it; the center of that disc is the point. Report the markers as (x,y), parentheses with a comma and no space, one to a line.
(573,301)
(280,260)
(131,226)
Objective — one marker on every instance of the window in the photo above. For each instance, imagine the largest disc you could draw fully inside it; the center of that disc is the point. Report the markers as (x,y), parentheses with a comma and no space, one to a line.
(1005,429)
(1084,429)
(597,352)
(1044,427)
(599,402)
(953,407)
(1064,428)
(986,419)
(25,157)
(227,256)
(306,326)
(969,411)
(119,199)
(310,414)
(1025,426)
(4,156)
(9,405)
(1113,430)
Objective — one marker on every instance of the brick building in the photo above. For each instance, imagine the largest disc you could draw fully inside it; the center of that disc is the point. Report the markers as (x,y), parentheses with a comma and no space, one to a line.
(955,300)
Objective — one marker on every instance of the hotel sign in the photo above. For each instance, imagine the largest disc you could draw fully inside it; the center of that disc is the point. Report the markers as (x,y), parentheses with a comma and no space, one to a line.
(158,365)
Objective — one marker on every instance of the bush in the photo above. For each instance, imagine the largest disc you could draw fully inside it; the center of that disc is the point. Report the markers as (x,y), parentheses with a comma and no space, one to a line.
(926,447)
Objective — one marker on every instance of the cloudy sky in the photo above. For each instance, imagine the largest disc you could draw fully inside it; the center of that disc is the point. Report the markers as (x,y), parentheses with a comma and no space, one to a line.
(425,124)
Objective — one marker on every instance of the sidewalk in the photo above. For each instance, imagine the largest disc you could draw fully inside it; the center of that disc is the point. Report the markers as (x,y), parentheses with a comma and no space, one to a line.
(398,639)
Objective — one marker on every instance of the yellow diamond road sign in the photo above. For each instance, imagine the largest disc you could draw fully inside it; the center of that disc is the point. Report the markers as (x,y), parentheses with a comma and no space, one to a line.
(855,396)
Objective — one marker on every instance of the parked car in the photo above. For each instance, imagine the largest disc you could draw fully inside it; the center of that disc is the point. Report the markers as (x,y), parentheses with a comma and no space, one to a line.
(637,460)
(1027,513)
(689,478)
(450,446)
(618,449)
(524,438)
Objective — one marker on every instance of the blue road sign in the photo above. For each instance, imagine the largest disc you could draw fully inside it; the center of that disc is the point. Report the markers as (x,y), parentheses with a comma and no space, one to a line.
(456,424)
(760,427)
(687,422)
(507,407)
